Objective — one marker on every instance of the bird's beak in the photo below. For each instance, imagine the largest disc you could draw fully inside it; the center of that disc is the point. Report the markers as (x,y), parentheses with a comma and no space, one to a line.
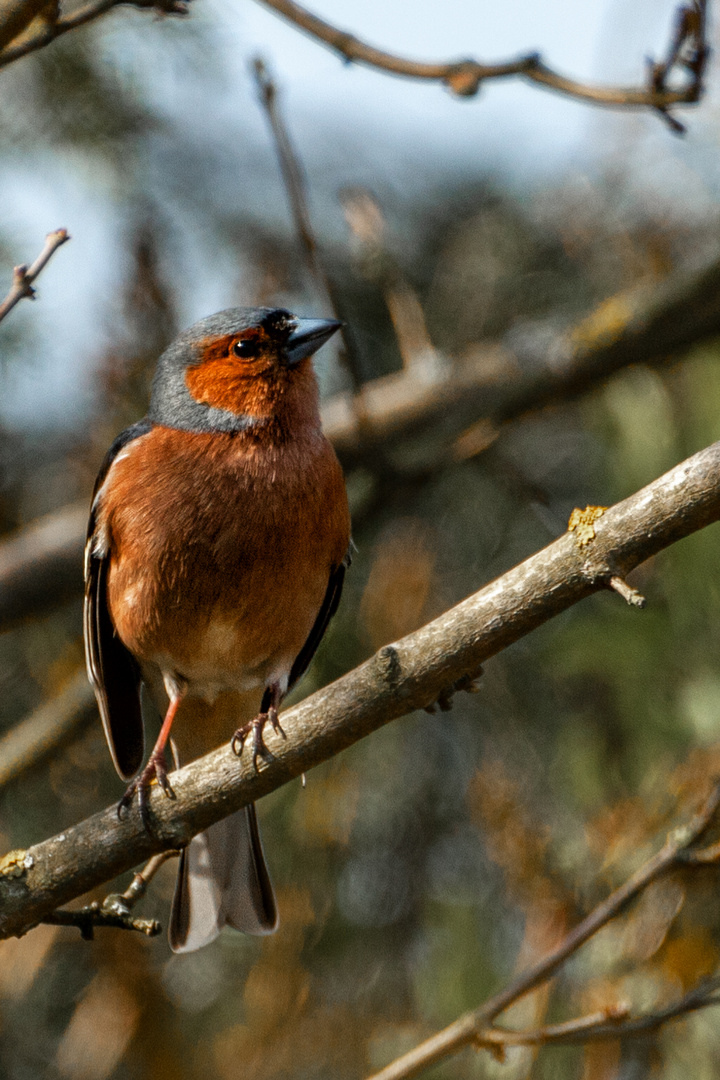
(307,337)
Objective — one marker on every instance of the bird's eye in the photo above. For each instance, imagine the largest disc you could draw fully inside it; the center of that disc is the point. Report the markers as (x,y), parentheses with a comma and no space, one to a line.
(246,348)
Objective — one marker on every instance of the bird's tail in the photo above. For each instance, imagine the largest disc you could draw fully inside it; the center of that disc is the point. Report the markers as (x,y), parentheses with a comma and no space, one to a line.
(222,881)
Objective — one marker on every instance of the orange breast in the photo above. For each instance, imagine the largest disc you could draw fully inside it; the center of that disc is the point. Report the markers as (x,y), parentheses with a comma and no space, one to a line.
(221,551)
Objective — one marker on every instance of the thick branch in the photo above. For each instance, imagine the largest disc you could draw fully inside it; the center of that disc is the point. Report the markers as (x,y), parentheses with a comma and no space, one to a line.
(498,383)
(23,276)
(464,77)
(408,675)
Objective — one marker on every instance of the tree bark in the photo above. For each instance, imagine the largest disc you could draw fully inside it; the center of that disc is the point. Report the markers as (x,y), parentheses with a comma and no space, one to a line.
(409,674)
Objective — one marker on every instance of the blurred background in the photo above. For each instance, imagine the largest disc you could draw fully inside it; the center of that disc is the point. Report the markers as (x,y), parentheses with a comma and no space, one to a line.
(560,261)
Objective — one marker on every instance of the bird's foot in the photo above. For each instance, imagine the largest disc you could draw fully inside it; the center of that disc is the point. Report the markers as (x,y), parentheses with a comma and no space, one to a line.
(154,772)
(255,729)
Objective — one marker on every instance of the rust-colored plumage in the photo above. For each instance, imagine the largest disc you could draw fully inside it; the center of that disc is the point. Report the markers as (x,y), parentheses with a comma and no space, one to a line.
(217,547)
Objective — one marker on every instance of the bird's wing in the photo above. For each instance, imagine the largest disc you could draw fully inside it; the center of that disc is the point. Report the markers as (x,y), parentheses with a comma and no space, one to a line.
(112,670)
(327,610)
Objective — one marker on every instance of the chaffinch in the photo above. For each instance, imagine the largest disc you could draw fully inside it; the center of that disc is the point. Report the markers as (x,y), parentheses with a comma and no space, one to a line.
(217,546)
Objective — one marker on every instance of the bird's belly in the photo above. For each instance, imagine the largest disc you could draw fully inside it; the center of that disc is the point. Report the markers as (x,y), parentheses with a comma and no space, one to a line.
(243,638)
(222,656)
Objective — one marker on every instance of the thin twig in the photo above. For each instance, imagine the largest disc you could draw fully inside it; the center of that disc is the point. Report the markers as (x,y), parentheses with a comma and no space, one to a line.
(688,48)
(116,909)
(139,884)
(629,594)
(468,1028)
(464,77)
(294,179)
(87,920)
(40,33)
(23,276)
(609,1024)
(407,675)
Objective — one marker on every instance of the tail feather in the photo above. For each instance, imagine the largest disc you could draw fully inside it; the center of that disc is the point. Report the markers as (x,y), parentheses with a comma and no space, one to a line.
(223,880)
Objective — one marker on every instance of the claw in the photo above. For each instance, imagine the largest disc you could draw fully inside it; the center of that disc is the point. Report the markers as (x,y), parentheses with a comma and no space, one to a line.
(154,772)
(255,728)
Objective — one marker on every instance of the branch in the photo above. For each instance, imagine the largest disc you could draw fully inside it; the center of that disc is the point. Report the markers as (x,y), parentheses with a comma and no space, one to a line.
(500,382)
(116,909)
(410,674)
(464,77)
(16,15)
(612,1023)
(41,565)
(23,276)
(294,180)
(470,1028)
(46,729)
(38,32)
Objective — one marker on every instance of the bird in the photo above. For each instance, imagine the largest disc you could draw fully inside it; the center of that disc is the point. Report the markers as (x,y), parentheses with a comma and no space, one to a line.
(217,545)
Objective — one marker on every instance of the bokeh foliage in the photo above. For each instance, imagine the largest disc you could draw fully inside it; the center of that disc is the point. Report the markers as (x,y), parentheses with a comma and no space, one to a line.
(419,870)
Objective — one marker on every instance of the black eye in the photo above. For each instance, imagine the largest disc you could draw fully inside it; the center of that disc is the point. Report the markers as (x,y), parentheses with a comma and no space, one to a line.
(246,348)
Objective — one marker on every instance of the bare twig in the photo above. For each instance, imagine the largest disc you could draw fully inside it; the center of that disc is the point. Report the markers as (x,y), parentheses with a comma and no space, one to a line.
(47,728)
(295,186)
(139,884)
(39,32)
(609,1024)
(464,77)
(116,909)
(87,920)
(23,276)
(630,596)
(688,49)
(407,675)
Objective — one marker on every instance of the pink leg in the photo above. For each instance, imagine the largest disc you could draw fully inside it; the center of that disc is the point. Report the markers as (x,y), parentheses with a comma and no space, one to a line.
(269,715)
(156,768)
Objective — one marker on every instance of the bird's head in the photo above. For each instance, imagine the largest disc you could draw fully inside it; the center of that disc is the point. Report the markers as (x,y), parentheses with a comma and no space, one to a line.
(240,369)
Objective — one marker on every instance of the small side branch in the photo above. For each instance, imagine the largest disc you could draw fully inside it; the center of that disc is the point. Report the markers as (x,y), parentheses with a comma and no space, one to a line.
(630,596)
(116,909)
(609,1024)
(688,50)
(24,276)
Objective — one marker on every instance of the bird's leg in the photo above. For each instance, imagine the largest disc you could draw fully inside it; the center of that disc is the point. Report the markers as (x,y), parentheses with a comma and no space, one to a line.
(268,715)
(156,768)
